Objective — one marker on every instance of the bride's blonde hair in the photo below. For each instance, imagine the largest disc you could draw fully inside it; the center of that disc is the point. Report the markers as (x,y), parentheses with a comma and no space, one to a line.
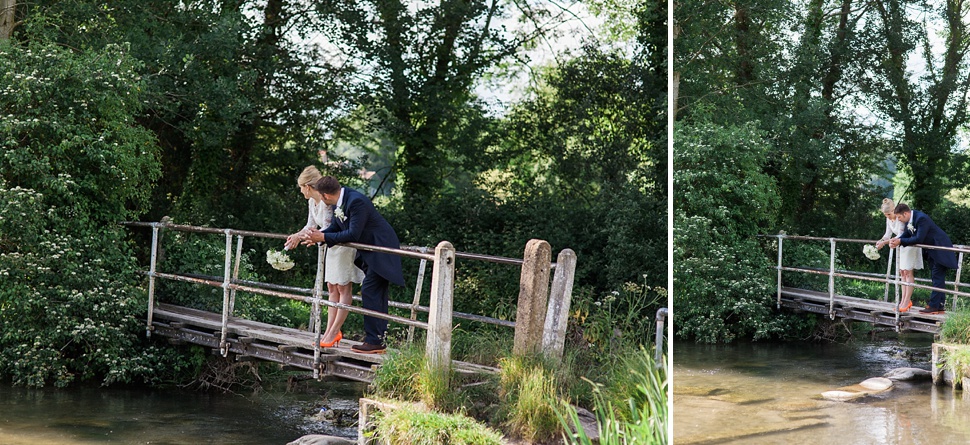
(309,175)
(887,205)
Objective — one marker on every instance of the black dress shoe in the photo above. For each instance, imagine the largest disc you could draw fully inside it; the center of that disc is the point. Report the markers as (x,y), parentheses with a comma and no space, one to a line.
(367,348)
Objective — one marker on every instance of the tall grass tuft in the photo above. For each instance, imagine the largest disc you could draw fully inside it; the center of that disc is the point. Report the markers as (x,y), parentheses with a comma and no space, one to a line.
(956,327)
(409,425)
(397,376)
(632,411)
(529,396)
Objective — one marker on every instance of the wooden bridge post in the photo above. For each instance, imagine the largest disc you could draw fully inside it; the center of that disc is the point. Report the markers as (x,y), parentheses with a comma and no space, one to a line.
(956,282)
(781,240)
(223,344)
(832,279)
(557,314)
(533,292)
(151,280)
(315,319)
(418,286)
(438,343)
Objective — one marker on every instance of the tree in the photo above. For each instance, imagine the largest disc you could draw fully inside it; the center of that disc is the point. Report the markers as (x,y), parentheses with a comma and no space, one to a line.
(925,110)
(8,18)
(238,108)
(422,63)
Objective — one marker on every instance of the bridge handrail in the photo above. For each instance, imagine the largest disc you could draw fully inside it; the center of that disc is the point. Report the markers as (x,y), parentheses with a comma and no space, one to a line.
(533,331)
(958,248)
(408,251)
(888,279)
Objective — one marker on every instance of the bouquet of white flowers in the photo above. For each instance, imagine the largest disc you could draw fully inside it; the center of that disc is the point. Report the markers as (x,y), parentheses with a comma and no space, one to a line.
(871,252)
(279,260)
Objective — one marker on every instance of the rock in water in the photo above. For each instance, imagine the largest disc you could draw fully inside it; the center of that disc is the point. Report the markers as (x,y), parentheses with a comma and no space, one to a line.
(909,374)
(877,384)
(866,388)
(317,439)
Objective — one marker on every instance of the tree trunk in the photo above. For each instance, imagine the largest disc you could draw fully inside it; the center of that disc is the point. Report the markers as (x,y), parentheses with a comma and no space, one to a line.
(8,20)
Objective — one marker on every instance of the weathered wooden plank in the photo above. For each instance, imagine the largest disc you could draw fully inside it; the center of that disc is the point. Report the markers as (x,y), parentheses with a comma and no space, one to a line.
(291,348)
(861,309)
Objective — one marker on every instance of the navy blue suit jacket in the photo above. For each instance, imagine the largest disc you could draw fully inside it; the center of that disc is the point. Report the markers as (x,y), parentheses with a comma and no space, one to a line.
(363,224)
(928,233)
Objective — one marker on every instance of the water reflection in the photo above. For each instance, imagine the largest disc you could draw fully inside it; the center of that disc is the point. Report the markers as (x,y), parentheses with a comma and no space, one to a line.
(146,416)
(770,394)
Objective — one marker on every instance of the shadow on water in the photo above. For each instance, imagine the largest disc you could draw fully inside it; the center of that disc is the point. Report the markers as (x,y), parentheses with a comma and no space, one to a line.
(85,415)
(770,393)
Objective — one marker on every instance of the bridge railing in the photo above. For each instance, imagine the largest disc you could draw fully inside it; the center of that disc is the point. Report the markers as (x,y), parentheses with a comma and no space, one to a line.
(890,278)
(540,319)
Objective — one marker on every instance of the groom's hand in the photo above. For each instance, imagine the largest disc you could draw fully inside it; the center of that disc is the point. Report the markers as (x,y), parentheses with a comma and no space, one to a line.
(314,237)
(894,243)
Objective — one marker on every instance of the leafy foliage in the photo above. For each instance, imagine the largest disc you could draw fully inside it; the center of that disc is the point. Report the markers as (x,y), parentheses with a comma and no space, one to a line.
(723,200)
(73,162)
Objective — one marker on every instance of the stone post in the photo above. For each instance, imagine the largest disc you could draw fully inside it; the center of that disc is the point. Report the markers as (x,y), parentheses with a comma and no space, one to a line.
(533,293)
(557,314)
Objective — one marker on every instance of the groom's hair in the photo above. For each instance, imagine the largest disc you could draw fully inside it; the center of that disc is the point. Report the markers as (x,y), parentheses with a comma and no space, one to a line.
(902,208)
(327,184)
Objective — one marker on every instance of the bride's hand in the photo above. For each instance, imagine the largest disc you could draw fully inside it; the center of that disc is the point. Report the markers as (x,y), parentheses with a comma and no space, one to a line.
(292,241)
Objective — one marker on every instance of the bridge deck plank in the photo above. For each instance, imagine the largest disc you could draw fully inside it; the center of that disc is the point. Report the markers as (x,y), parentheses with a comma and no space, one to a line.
(874,311)
(295,338)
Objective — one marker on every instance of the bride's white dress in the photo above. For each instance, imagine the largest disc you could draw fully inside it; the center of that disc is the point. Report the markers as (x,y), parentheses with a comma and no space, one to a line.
(339,266)
(910,258)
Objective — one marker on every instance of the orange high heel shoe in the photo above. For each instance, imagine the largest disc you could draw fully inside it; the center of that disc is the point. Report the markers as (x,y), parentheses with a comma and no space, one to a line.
(904,309)
(340,336)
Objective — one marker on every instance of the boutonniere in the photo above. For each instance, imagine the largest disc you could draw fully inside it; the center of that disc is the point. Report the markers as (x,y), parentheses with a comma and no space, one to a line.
(339,214)
(911,227)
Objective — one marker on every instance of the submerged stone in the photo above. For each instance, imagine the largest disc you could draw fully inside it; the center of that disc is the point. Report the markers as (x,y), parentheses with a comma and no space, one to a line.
(868,387)
(909,374)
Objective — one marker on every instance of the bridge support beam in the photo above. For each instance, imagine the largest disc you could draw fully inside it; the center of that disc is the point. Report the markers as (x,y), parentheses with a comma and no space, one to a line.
(438,343)
(557,314)
(533,294)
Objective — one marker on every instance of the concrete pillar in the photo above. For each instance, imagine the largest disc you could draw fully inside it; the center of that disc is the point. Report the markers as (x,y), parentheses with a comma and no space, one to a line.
(533,294)
(438,344)
(557,314)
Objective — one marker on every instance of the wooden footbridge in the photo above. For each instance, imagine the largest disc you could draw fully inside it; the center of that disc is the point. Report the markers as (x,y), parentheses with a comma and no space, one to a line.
(879,311)
(540,323)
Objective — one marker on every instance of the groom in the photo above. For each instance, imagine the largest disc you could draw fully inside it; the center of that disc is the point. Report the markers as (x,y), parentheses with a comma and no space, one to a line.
(920,229)
(355,220)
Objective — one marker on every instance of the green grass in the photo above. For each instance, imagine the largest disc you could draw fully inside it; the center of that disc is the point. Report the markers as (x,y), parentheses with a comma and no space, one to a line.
(529,394)
(409,425)
(632,410)
(956,327)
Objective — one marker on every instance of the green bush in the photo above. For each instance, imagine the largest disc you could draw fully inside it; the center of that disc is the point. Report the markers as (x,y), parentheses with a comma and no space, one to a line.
(722,274)
(72,164)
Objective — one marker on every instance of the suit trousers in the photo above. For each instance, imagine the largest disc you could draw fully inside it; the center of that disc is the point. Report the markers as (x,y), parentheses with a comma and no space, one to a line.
(938,274)
(374,291)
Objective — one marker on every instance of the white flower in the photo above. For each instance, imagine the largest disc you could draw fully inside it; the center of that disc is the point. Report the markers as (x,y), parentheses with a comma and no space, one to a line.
(279,260)
(339,214)
(870,251)
(911,227)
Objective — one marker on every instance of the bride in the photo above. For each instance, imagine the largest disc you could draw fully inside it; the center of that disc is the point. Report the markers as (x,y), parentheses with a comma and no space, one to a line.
(339,265)
(909,258)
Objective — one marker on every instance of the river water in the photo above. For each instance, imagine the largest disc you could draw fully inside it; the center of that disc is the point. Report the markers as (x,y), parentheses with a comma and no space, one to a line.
(769,393)
(94,415)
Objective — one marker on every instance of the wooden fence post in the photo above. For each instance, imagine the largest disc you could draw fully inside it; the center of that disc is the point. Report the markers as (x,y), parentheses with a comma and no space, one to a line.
(533,293)
(438,344)
(557,315)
